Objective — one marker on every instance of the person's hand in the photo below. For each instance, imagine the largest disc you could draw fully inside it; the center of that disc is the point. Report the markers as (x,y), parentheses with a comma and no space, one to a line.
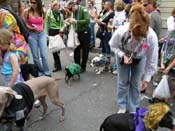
(127,60)
(47,37)
(162,66)
(144,86)
(166,71)
(10,84)
(73,21)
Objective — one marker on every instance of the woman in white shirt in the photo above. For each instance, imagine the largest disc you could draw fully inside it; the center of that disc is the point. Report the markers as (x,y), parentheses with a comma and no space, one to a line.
(136,46)
(171,21)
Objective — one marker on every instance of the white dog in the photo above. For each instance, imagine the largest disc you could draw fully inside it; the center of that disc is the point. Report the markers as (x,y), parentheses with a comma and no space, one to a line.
(100,63)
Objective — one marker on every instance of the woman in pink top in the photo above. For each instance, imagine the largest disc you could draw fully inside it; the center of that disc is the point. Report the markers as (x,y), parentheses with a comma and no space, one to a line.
(34,16)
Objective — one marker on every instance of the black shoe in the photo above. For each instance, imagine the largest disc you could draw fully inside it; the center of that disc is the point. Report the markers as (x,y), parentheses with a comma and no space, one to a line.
(82,70)
(56,69)
(143,91)
(49,75)
(92,46)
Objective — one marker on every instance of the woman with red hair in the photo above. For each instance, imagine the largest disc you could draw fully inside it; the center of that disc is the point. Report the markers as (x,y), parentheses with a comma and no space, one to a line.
(136,46)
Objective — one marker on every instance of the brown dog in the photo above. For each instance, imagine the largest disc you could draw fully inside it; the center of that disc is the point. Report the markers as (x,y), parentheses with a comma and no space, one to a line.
(43,86)
(36,88)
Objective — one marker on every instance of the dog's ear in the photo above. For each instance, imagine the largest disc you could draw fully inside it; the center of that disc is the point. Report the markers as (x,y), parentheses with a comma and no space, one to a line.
(11,93)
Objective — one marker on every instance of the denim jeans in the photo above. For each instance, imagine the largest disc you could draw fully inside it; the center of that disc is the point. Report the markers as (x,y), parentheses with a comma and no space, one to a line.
(105,44)
(129,84)
(114,66)
(38,46)
(92,24)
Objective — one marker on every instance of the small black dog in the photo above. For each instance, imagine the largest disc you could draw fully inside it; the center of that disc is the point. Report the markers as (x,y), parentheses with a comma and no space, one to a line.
(142,120)
(27,69)
(71,71)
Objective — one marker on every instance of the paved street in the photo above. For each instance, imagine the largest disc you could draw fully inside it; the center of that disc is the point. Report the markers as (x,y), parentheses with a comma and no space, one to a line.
(88,101)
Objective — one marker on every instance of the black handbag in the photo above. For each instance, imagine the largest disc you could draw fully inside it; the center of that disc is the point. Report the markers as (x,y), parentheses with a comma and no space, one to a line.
(100,33)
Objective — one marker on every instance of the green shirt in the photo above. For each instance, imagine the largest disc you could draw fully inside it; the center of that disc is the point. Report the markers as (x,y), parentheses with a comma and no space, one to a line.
(83,19)
(52,22)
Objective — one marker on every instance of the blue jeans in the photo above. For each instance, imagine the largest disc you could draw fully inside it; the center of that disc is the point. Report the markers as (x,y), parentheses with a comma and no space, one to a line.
(105,44)
(114,66)
(38,45)
(92,24)
(129,84)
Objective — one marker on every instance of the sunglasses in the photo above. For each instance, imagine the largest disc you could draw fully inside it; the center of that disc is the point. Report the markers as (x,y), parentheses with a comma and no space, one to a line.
(33,3)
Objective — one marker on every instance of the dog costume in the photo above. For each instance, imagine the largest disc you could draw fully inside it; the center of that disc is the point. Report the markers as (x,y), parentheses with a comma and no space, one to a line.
(20,108)
(148,118)
(74,69)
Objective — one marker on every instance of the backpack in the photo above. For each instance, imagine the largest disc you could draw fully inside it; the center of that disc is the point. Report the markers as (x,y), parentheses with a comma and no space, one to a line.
(21,24)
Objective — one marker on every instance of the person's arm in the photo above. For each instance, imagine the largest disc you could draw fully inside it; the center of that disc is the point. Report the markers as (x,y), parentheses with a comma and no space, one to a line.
(14,63)
(151,59)
(170,24)
(99,22)
(115,42)
(46,22)
(86,19)
(169,67)
(93,15)
(162,66)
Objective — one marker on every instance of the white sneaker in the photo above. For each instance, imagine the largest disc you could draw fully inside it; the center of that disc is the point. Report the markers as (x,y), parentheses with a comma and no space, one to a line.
(121,111)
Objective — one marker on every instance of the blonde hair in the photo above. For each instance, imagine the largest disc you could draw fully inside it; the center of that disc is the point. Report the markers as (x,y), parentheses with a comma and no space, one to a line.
(55,2)
(119,5)
(6,38)
(139,21)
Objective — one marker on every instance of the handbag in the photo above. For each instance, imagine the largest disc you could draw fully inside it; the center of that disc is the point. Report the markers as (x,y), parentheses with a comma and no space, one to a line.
(100,33)
(56,43)
(72,41)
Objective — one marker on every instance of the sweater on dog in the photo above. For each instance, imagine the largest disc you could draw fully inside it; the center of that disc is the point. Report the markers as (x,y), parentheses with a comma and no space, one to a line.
(19,108)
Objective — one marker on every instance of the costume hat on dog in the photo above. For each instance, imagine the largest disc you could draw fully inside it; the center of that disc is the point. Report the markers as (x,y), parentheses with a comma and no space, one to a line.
(155,114)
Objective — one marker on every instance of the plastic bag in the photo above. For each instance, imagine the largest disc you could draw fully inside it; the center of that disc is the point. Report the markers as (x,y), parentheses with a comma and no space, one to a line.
(162,91)
(72,41)
(56,43)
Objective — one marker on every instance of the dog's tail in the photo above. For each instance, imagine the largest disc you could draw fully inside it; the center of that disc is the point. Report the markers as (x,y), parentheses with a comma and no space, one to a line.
(57,79)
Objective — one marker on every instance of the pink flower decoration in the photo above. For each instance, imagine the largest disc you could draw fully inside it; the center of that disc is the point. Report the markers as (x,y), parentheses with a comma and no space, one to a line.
(145,46)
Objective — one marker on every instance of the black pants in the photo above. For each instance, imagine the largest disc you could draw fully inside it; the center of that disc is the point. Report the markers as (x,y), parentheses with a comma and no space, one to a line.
(56,55)
(84,38)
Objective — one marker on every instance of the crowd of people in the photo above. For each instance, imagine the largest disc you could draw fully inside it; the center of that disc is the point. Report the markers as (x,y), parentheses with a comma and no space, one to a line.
(129,29)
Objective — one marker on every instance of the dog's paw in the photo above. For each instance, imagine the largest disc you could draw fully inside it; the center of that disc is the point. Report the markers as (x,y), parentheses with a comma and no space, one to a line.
(42,117)
(98,73)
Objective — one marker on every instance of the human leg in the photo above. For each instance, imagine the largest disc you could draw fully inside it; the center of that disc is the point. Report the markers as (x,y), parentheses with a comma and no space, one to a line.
(43,52)
(135,85)
(122,84)
(85,41)
(33,43)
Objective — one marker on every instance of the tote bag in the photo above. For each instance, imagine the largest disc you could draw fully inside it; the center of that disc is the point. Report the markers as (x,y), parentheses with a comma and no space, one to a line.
(72,41)
(56,43)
